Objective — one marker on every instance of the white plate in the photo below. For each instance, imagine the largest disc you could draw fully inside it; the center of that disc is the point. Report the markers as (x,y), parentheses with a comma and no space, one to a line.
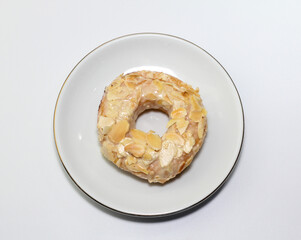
(75,129)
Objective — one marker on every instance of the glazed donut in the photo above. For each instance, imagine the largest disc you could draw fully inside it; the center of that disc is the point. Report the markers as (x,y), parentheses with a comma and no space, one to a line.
(147,155)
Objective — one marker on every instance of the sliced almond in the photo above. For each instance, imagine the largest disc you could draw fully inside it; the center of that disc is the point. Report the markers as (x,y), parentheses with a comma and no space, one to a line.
(164,103)
(149,74)
(111,110)
(135,149)
(167,153)
(130,84)
(115,94)
(150,154)
(171,122)
(105,124)
(174,137)
(138,136)
(178,104)
(125,109)
(193,91)
(158,85)
(178,113)
(120,149)
(166,94)
(126,141)
(151,97)
(189,144)
(147,156)
(146,162)
(118,162)
(130,160)
(154,141)
(195,103)
(177,95)
(118,131)
(182,125)
(137,168)
(180,88)
(187,134)
(204,112)
(132,75)
(164,76)
(195,115)
(167,99)
(142,169)
(201,128)
(179,152)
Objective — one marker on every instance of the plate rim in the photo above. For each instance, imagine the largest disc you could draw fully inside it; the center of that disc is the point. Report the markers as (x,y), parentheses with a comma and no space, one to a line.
(163,214)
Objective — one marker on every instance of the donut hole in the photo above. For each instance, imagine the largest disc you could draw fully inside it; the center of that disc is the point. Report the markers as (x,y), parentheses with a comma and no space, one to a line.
(152,119)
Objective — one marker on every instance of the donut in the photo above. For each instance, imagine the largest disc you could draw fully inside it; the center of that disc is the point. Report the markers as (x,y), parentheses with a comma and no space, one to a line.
(148,155)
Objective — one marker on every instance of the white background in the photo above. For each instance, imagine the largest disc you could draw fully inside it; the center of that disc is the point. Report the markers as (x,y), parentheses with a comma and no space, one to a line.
(258,42)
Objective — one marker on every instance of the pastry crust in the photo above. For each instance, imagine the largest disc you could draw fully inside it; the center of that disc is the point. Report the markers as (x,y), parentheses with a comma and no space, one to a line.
(147,155)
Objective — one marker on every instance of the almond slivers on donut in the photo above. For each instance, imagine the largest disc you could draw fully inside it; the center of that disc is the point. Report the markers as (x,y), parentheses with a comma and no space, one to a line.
(146,154)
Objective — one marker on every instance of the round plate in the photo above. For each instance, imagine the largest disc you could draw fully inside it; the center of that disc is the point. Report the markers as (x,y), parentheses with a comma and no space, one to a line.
(75,130)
